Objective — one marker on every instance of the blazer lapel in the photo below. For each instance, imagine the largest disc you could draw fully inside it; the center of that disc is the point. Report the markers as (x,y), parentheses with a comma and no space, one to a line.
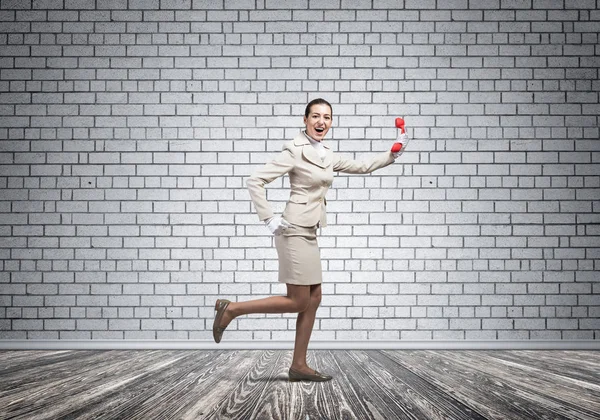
(328,156)
(311,154)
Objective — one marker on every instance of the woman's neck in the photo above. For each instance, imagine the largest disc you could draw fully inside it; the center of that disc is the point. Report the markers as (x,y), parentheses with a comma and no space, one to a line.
(313,141)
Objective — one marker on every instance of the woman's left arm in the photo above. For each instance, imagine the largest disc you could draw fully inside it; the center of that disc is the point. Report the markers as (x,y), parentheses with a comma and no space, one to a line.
(379,161)
(350,166)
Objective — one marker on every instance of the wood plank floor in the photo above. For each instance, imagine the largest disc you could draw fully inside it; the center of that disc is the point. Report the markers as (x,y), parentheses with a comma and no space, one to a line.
(252,384)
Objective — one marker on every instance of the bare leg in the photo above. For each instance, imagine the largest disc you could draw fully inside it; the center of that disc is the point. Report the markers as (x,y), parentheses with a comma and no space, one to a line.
(304,326)
(297,300)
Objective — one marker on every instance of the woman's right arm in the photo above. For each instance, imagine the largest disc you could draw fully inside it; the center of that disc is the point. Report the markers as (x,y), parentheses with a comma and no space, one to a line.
(280,166)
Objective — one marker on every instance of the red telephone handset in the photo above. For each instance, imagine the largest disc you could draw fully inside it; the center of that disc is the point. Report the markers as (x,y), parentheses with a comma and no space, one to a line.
(400,125)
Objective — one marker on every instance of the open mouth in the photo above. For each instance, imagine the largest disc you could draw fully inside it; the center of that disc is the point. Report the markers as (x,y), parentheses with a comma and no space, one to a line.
(319,130)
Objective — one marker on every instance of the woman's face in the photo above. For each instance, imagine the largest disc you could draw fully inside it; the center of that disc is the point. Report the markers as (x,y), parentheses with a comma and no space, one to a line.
(318,121)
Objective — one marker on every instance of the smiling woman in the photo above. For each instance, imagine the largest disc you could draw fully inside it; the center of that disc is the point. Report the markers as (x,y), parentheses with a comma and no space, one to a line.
(310,164)
(317,118)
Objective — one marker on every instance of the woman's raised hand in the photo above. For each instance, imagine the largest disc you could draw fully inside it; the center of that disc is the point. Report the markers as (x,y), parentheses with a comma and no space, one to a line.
(402,139)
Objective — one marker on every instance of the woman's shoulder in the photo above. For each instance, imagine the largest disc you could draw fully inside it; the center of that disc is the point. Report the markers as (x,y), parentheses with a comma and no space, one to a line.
(296,143)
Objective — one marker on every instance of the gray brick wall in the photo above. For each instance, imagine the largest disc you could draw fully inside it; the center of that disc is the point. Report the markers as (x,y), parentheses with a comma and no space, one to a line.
(127,129)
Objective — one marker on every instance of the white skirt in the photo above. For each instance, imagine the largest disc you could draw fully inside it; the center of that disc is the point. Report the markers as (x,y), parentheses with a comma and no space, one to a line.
(299,256)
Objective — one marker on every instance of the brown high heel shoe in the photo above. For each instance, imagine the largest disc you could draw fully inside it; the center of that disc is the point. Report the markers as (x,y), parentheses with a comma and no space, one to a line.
(296,376)
(220,307)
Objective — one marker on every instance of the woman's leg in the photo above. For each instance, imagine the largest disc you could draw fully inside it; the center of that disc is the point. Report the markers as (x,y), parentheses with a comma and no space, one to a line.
(304,326)
(297,300)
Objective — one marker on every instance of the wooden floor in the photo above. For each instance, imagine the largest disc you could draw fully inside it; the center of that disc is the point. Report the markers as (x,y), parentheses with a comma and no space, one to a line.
(252,384)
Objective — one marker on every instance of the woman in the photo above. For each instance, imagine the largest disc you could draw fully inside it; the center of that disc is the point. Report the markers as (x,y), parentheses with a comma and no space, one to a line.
(310,165)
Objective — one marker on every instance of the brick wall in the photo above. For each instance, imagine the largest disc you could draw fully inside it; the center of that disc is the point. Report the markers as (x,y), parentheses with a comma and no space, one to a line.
(128,128)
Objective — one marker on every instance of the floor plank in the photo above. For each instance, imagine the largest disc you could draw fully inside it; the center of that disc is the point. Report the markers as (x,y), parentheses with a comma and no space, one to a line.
(489,395)
(566,363)
(557,392)
(253,384)
(411,390)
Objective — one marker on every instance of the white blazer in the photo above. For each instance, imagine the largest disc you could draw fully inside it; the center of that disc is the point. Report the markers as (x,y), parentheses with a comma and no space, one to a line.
(310,179)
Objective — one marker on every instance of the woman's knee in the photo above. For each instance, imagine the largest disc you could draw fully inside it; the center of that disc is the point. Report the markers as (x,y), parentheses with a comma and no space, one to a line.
(315,298)
(301,303)
(315,301)
(300,295)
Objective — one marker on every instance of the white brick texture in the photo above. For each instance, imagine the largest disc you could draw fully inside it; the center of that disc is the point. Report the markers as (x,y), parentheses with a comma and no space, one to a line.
(127,129)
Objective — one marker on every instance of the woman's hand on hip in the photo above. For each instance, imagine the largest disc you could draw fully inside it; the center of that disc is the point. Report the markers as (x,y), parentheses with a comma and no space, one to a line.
(277,225)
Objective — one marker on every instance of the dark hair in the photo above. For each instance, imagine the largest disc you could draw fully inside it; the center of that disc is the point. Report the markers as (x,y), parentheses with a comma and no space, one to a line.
(318,101)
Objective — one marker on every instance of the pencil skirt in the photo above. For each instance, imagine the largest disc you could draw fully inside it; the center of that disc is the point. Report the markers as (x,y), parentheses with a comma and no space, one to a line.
(299,256)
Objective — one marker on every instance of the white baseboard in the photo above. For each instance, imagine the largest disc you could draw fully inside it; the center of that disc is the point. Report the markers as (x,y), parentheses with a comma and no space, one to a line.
(285,345)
